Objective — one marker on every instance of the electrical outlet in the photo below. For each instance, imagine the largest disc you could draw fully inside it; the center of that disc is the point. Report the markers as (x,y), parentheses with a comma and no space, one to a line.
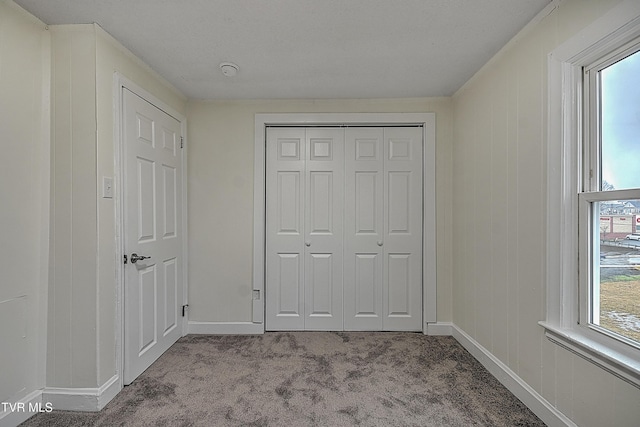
(107,187)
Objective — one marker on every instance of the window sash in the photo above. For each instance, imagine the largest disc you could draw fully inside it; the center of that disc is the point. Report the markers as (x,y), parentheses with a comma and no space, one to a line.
(589,257)
(592,108)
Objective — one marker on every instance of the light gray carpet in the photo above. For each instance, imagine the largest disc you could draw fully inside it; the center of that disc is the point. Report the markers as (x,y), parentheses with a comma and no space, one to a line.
(310,379)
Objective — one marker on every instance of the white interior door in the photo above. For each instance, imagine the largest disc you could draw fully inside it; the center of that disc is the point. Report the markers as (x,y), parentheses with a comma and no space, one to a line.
(367,274)
(364,229)
(284,290)
(305,194)
(152,229)
(324,199)
(383,229)
(402,279)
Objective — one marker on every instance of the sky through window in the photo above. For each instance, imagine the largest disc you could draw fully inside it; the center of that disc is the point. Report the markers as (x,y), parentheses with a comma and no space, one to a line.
(620,85)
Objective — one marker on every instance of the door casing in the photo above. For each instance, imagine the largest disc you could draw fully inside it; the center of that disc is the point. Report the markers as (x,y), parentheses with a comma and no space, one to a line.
(426,120)
(119,83)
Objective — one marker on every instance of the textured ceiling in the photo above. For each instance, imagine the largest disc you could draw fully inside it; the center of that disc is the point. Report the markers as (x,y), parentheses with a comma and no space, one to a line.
(305,48)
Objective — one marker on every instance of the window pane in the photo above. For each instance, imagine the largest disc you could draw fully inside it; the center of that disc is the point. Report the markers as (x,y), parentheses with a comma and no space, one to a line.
(620,109)
(616,295)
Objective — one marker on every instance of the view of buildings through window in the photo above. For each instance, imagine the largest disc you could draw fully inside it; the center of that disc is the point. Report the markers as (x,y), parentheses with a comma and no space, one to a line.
(616,299)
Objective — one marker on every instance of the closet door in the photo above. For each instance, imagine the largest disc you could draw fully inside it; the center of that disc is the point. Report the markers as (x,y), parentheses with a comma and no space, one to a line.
(324,199)
(304,255)
(402,279)
(364,231)
(367,274)
(383,229)
(285,180)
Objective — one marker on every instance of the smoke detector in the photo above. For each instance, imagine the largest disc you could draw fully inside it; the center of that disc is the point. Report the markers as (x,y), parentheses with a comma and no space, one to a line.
(229,69)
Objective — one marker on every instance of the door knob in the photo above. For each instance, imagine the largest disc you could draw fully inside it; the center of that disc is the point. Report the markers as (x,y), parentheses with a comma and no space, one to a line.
(135,257)
(308,243)
(379,242)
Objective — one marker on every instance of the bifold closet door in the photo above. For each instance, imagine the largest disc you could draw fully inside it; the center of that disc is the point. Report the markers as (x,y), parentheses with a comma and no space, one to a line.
(402,279)
(364,229)
(285,180)
(304,255)
(383,229)
(324,208)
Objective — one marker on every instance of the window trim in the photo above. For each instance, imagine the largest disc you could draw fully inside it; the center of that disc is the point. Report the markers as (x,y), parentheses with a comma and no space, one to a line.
(564,168)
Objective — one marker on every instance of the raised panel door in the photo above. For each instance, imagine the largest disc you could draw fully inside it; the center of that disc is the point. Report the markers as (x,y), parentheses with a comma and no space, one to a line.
(344,229)
(402,279)
(152,227)
(363,228)
(324,198)
(285,255)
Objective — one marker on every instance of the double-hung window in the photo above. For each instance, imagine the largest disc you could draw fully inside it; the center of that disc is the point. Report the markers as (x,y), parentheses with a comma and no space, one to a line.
(609,200)
(593,203)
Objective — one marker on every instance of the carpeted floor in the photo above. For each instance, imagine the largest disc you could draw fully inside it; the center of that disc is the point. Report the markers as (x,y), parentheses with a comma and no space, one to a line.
(310,379)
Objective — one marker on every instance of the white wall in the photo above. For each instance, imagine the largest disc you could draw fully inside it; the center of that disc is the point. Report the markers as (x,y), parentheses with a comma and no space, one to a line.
(499,207)
(220,186)
(72,291)
(82,303)
(24,200)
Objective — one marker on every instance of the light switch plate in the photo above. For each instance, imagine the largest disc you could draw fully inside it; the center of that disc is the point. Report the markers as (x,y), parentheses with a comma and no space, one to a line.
(107,187)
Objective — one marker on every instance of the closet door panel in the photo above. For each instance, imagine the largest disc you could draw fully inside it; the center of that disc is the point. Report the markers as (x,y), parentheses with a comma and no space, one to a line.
(367,285)
(324,201)
(285,255)
(402,280)
(363,268)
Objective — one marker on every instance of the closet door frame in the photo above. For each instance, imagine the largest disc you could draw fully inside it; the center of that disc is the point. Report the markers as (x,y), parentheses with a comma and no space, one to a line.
(426,120)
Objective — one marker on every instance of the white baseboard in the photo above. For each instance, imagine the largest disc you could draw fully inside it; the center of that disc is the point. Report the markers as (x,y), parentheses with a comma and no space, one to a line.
(13,418)
(439,328)
(82,399)
(108,391)
(226,328)
(523,391)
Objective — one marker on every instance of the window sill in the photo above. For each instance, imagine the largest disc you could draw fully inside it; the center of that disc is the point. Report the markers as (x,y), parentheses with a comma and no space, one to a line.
(613,361)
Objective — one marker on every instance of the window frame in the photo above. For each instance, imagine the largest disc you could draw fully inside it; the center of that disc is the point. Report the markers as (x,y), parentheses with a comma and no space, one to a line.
(591,191)
(570,196)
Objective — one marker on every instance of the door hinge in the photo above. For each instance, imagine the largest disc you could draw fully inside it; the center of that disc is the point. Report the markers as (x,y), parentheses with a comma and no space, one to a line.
(181,142)
(184,309)
(125,259)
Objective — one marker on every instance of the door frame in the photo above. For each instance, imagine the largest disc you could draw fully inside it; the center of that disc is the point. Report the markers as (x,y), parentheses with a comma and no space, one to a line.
(428,123)
(119,84)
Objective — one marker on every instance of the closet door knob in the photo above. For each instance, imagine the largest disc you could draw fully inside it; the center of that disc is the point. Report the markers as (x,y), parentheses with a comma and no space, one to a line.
(379,242)
(308,243)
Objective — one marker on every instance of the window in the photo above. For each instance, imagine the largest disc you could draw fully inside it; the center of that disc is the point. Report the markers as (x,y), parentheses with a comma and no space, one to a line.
(609,221)
(593,202)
